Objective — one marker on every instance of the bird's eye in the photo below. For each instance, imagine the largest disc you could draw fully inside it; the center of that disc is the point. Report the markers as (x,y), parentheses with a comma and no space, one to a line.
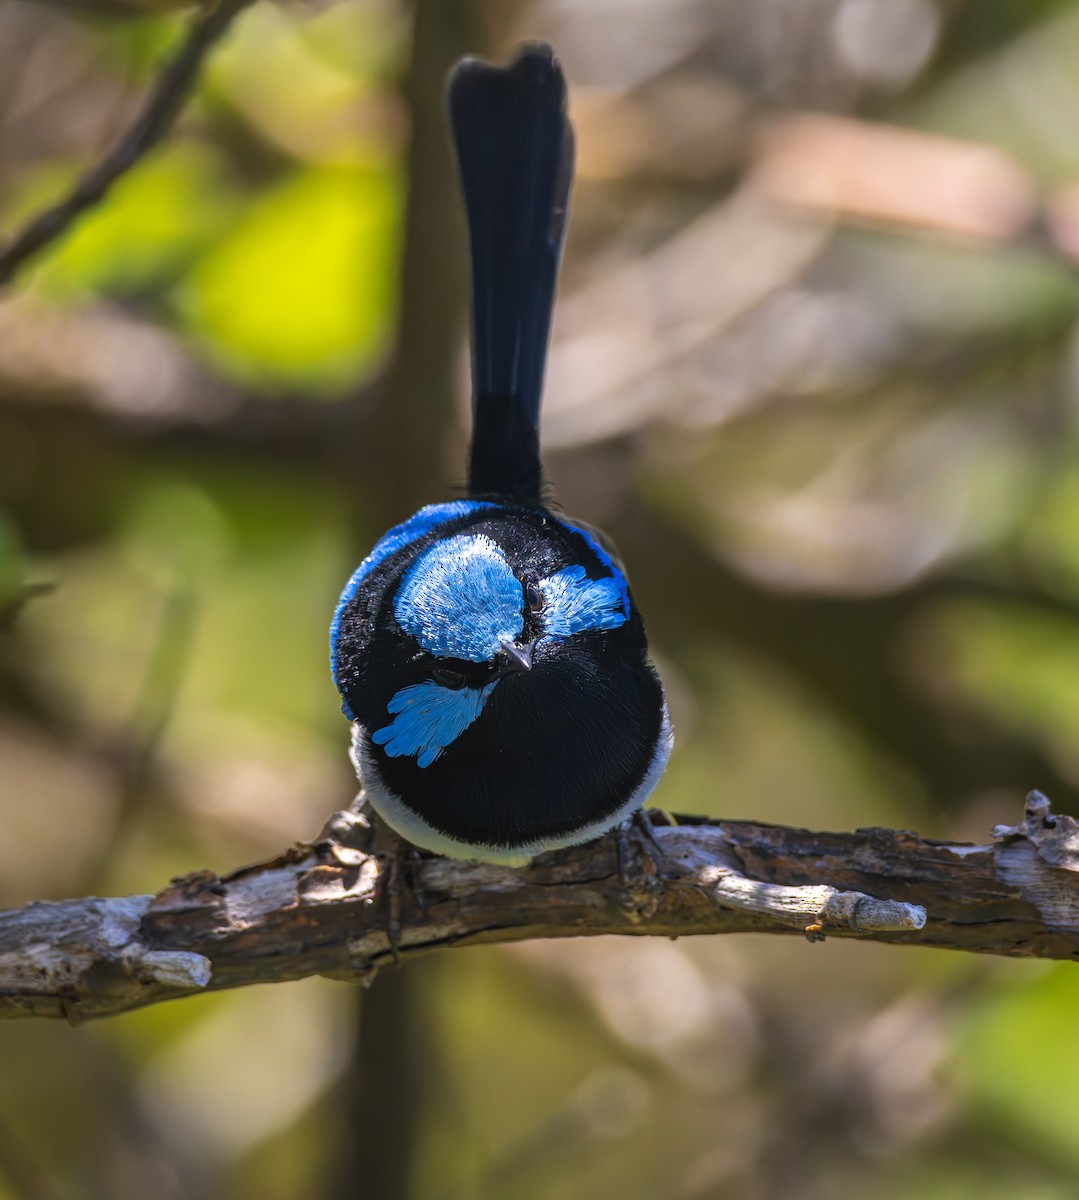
(534,598)
(446,678)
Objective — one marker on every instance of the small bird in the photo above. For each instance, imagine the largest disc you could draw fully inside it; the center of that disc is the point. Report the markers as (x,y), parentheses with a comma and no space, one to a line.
(488,651)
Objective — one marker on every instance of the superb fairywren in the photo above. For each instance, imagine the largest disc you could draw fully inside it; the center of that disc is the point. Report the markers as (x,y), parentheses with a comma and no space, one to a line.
(488,651)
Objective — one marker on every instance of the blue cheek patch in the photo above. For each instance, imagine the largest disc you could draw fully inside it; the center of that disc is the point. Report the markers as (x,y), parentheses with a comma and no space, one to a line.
(428,718)
(574,603)
(460,599)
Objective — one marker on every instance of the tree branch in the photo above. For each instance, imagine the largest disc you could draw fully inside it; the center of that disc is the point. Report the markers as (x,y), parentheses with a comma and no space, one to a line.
(170,93)
(912,180)
(321,908)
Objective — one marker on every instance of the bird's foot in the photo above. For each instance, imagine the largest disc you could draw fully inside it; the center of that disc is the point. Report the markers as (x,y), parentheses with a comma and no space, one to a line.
(640,829)
(401,874)
(392,896)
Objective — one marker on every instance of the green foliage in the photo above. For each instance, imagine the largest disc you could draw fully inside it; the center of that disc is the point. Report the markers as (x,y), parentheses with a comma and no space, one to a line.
(154,224)
(1001,98)
(1020,1059)
(1019,664)
(312,261)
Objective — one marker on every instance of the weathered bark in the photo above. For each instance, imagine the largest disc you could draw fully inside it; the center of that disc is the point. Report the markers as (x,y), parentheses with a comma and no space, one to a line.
(321,908)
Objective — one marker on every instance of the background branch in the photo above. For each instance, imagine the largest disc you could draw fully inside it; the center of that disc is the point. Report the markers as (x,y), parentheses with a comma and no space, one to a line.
(318,908)
(167,98)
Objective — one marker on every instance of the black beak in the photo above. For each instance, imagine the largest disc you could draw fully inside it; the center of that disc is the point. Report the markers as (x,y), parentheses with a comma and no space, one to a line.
(515,657)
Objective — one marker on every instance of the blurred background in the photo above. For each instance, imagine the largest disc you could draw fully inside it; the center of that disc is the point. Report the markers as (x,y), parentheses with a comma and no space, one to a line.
(815,368)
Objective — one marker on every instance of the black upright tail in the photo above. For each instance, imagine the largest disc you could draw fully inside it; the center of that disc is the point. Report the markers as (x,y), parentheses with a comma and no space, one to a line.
(515,158)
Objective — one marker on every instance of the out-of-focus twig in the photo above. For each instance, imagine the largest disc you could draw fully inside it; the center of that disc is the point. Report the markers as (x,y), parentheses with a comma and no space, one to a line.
(11,607)
(166,99)
(912,180)
(150,718)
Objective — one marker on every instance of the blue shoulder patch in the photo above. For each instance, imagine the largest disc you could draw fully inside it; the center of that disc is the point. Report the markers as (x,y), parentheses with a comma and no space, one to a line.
(428,518)
(604,557)
(574,603)
(460,599)
(428,718)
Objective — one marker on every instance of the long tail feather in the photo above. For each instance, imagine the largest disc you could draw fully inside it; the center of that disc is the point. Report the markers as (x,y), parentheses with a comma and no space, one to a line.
(515,158)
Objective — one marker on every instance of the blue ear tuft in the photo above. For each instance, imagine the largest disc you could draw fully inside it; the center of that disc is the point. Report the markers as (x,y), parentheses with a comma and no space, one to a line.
(577,604)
